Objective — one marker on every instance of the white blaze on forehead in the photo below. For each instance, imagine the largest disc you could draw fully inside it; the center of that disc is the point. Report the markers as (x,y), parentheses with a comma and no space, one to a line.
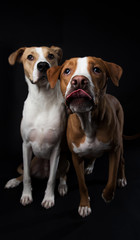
(41,55)
(81,69)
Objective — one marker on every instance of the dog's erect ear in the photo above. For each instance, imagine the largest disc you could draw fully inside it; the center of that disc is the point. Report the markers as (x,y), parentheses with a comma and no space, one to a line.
(59,53)
(16,56)
(114,72)
(53,75)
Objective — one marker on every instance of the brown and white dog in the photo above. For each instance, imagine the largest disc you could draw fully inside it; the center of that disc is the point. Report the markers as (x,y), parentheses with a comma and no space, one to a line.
(96,123)
(43,123)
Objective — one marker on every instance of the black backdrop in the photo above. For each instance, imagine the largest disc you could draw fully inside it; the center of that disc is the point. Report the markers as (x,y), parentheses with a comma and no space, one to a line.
(106,30)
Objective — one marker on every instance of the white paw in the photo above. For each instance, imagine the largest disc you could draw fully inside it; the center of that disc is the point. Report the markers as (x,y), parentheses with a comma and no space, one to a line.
(89,170)
(84,211)
(122,182)
(62,189)
(12,183)
(48,202)
(26,199)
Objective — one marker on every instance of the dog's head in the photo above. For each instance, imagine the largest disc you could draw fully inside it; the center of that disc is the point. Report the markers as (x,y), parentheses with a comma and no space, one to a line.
(84,81)
(36,61)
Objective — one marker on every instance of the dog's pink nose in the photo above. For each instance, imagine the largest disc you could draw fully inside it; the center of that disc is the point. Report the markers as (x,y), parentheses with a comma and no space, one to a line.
(79,81)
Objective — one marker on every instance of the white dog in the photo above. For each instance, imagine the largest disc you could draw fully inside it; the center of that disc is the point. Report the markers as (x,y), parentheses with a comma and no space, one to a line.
(43,123)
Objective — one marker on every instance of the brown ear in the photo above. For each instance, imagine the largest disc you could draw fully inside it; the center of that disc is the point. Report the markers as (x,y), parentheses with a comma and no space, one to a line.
(16,56)
(114,72)
(53,74)
(59,53)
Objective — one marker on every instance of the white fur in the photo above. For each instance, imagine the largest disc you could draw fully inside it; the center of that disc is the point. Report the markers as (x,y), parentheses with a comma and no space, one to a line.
(81,69)
(12,183)
(89,168)
(62,187)
(42,126)
(41,131)
(122,182)
(90,147)
(84,211)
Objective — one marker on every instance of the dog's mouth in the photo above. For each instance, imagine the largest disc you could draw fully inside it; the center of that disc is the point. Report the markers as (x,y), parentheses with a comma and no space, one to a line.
(41,80)
(79,101)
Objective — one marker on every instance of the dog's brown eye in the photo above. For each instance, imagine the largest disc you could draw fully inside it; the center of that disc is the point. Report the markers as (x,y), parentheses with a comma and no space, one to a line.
(67,71)
(30,57)
(96,70)
(51,56)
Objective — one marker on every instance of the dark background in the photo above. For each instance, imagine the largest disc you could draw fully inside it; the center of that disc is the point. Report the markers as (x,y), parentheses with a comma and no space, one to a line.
(106,30)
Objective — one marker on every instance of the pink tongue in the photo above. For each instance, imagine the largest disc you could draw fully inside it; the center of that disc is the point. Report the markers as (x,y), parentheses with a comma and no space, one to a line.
(79,94)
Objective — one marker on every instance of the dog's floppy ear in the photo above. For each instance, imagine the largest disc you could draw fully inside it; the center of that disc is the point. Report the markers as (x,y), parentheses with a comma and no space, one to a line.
(16,56)
(114,72)
(53,75)
(59,53)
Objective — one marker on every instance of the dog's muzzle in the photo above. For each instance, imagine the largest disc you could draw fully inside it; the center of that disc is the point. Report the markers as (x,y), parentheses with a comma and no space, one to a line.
(79,98)
(41,76)
(79,101)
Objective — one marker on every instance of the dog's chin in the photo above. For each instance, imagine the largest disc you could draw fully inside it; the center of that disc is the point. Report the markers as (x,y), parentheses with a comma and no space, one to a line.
(80,105)
(41,81)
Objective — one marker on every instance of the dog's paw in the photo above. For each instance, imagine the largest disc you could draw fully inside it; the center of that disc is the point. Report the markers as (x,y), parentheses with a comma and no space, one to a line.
(89,168)
(12,183)
(26,199)
(48,202)
(122,182)
(107,196)
(62,189)
(84,211)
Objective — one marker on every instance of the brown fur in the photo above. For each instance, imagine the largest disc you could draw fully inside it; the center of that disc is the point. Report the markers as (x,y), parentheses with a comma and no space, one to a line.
(21,54)
(107,117)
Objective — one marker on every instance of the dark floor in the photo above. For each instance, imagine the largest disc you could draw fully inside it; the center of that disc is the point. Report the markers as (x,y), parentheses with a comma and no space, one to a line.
(118,220)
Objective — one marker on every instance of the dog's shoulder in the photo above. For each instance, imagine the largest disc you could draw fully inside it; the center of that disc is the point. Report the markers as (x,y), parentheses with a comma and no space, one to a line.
(112,101)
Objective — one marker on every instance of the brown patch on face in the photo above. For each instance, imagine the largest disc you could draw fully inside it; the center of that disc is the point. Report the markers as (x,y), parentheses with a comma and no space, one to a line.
(29,56)
(65,76)
(98,74)
(28,64)
(50,56)
(99,71)
(77,94)
(58,53)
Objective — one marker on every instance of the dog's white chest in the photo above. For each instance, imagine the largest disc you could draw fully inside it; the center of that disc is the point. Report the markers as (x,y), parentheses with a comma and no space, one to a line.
(43,141)
(91,148)
(42,125)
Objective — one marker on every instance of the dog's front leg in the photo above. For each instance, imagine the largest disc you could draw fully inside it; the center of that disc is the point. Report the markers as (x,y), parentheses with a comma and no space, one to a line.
(48,200)
(109,191)
(26,197)
(84,207)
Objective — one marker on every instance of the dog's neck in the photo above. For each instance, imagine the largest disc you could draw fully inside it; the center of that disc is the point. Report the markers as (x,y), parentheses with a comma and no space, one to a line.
(44,94)
(90,120)
(87,123)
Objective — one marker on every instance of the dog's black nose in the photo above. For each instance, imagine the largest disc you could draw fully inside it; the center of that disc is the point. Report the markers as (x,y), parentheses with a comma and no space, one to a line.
(43,66)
